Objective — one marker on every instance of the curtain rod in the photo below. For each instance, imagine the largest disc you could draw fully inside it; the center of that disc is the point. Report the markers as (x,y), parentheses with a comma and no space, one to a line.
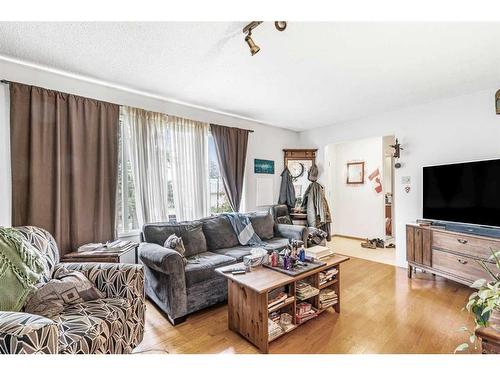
(9,82)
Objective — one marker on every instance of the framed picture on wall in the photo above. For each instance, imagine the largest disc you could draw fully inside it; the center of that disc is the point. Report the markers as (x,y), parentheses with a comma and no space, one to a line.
(356,172)
(263,166)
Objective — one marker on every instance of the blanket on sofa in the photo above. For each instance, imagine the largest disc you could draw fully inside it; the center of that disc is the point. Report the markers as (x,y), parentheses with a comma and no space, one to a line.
(21,267)
(244,230)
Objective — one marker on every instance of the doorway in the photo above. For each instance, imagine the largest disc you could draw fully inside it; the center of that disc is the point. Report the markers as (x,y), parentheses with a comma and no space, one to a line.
(362,208)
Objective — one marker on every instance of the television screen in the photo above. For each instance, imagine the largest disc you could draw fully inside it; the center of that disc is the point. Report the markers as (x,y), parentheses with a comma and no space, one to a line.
(464,192)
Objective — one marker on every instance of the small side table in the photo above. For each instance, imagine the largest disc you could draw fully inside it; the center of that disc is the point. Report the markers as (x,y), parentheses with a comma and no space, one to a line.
(129,255)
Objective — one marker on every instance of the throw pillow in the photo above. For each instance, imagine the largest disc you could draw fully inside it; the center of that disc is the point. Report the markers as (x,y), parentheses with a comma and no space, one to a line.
(65,288)
(175,243)
(284,220)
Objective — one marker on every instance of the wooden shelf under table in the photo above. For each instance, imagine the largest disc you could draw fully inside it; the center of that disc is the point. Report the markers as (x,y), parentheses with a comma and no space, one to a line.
(327,284)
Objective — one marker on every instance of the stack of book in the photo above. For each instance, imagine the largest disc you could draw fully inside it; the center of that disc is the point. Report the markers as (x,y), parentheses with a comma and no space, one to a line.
(327,298)
(277,301)
(305,290)
(327,275)
(304,312)
(274,329)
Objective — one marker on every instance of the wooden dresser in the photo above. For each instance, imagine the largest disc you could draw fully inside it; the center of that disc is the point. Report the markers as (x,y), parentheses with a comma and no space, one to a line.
(449,254)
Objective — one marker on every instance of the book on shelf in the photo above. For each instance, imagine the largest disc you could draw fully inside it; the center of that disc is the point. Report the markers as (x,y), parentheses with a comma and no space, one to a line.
(327,275)
(305,290)
(281,299)
(327,298)
(305,311)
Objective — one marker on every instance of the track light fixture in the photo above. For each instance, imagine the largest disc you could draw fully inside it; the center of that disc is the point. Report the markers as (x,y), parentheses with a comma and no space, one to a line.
(254,48)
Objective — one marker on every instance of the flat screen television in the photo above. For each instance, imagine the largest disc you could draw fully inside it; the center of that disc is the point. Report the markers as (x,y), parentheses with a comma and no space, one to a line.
(463,193)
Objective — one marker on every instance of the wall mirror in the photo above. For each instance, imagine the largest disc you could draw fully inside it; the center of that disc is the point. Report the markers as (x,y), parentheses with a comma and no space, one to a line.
(356,172)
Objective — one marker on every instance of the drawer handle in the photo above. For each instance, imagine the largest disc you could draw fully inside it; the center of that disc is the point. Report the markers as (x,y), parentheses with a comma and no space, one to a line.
(461,261)
(463,242)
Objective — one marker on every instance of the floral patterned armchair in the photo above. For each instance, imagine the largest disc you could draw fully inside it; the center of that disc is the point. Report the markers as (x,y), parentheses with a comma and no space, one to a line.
(114,324)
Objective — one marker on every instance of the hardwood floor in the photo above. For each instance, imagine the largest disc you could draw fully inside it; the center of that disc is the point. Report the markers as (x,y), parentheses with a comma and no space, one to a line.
(382,312)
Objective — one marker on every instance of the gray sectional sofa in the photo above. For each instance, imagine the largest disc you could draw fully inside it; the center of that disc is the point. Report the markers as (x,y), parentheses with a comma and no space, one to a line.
(179,289)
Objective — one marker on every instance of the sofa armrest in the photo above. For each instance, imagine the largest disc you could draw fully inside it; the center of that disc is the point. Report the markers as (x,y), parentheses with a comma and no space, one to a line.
(113,279)
(160,258)
(22,333)
(294,232)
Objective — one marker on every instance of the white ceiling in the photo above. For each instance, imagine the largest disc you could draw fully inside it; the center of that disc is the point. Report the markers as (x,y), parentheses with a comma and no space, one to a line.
(310,75)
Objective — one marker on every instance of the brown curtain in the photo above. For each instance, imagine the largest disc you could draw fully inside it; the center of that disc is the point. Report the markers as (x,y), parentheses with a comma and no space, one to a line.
(64,164)
(231,146)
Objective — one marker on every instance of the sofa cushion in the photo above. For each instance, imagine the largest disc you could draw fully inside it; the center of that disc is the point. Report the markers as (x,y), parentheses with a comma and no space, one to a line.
(219,233)
(263,224)
(237,252)
(276,243)
(202,267)
(190,231)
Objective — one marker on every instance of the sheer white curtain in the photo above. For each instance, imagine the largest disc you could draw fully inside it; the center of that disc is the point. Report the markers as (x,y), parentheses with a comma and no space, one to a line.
(146,139)
(189,145)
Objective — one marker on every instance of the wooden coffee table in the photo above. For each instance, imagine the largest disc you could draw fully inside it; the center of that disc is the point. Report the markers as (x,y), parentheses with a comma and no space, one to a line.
(248,297)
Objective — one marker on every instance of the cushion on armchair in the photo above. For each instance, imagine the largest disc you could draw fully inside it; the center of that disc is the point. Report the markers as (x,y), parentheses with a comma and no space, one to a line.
(66,288)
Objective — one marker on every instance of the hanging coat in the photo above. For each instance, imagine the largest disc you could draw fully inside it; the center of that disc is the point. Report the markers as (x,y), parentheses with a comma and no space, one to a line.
(287,190)
(316,205)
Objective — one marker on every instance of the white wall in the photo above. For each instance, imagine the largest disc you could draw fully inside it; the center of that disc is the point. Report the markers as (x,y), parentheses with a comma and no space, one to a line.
(266,142)
(458,129)
(357,209)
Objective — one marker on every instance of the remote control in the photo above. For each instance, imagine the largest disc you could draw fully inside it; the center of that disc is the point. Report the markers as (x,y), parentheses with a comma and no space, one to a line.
(239,272)
(234,269)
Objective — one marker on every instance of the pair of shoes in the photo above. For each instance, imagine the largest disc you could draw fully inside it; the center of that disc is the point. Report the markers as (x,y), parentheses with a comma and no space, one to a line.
(379,242)
(369,244)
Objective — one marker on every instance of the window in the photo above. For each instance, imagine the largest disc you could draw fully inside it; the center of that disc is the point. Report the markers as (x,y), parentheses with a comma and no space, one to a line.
(126,214)
(157,185)
(218,198)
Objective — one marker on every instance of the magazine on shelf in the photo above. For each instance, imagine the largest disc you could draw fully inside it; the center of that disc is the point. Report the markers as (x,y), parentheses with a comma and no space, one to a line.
(109,247)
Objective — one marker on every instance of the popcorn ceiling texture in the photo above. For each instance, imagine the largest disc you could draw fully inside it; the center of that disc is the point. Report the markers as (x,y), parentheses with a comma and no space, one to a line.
(310,75)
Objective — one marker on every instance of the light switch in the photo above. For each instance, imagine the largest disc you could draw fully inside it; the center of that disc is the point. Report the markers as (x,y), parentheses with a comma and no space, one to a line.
(405,180)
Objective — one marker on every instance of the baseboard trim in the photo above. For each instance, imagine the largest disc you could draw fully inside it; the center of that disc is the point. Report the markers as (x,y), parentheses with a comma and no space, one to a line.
(349,237)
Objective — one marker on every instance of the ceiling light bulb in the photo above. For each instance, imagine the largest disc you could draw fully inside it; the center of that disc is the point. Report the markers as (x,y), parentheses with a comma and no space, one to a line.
(254,48)
(280,25)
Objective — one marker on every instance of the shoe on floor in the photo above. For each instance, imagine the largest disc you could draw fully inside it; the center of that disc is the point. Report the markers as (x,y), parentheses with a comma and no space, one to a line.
(369,244)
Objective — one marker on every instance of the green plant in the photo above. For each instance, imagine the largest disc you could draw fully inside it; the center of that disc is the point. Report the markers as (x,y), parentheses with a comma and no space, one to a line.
(484,301)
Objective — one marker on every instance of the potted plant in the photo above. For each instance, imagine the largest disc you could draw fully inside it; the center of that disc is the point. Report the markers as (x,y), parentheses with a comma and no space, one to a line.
(484,304)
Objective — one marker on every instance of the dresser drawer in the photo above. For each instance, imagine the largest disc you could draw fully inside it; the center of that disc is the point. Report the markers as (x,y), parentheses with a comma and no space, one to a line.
(461,266)
(467,245)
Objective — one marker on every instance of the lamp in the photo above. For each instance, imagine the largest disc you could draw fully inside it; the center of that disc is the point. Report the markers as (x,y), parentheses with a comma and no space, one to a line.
(254,48)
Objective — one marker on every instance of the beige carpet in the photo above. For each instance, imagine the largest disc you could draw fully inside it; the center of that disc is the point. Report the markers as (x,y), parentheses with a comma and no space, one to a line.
(352,248)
